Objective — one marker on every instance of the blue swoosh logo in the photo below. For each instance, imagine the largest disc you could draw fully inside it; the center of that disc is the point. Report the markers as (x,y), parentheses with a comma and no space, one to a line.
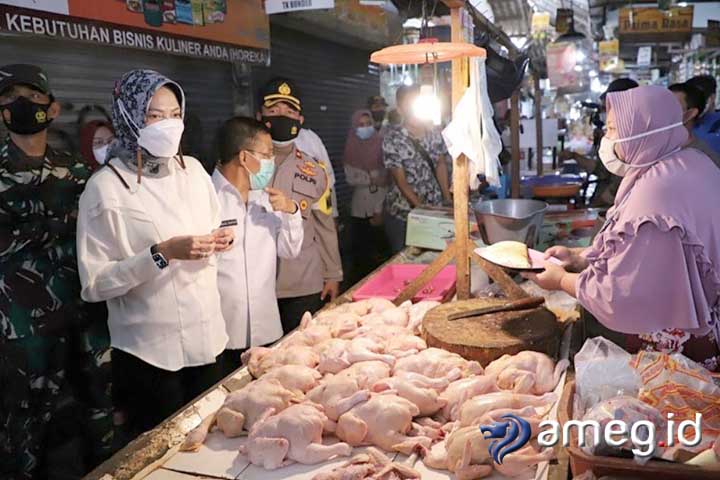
(509,436)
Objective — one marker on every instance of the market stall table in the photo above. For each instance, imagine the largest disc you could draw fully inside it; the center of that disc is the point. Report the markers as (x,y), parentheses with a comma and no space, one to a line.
(155,454)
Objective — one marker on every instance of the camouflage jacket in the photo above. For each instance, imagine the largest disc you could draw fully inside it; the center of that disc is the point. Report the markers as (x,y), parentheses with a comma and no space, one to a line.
(39,286)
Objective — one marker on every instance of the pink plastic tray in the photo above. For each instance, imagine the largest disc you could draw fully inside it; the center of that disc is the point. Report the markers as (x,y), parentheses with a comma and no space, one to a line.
(392,279)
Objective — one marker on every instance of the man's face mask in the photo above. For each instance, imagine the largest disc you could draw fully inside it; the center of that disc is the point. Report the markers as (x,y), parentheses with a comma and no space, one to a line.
(282,128)
(378,115)
(26,116)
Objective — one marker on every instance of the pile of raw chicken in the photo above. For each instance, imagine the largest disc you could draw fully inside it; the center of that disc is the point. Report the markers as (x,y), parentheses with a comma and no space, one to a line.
(362,373)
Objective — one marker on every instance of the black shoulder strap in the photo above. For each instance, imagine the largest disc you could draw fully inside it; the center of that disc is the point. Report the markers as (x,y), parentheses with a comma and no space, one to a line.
(111,167)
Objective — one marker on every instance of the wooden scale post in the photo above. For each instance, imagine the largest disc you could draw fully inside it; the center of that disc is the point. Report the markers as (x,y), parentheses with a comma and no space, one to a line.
(517,322)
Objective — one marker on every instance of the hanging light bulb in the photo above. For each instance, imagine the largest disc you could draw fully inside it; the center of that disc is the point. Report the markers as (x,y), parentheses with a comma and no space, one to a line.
(427,105)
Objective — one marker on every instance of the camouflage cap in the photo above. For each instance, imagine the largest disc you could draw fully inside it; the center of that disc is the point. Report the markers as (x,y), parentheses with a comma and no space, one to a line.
(24,74)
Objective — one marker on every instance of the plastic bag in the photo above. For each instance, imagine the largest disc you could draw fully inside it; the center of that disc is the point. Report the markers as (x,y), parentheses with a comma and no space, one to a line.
(472,132)
(603,371)
(558,302)
(628,410)
(676,385)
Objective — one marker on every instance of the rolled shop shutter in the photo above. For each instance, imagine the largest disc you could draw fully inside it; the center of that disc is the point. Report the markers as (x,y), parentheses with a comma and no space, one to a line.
(334,80)
(84,74)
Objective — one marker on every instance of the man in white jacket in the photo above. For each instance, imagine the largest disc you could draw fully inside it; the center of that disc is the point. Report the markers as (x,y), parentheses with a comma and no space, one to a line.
(267,225)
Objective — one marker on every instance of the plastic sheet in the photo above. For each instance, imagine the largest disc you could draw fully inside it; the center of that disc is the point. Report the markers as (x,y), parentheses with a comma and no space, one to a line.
(603,372)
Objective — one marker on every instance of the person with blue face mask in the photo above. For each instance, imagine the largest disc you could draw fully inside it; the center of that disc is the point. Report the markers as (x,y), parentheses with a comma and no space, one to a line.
(267,225)
(365,172)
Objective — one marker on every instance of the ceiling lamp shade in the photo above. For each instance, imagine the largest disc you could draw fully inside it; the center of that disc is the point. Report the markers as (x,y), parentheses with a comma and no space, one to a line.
(425,52)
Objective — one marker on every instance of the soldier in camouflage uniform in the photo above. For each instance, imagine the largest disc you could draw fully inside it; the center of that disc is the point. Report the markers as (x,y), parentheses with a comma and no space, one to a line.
(43,324)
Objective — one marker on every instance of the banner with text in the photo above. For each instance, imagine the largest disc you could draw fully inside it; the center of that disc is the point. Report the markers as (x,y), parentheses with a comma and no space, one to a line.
(283,6)
(212,29)
(675,23)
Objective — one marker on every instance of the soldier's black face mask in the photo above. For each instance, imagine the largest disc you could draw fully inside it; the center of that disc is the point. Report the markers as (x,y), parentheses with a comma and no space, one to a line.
(378,115)
(26,116)
(282,128)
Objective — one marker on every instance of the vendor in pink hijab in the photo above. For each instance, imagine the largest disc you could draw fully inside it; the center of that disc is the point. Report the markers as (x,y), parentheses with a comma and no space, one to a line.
(653,271)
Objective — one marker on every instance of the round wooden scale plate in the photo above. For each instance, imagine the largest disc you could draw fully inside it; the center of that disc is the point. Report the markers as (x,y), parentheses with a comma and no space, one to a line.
(488,337)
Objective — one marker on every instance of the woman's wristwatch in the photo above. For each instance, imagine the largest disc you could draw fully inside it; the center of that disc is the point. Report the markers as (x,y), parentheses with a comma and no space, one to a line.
(158,257)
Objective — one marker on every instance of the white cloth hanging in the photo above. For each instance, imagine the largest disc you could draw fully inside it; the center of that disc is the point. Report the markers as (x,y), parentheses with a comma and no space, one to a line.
(472,132)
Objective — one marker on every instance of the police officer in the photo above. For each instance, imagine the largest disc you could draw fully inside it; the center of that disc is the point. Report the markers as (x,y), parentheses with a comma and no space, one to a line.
(41,316)
(305,282)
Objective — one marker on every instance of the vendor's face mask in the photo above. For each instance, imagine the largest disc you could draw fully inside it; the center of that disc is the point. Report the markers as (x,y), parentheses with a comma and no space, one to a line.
(617,166)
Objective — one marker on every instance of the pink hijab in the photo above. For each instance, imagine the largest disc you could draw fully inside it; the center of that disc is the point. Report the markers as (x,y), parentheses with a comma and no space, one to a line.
(655,265)
(363,154)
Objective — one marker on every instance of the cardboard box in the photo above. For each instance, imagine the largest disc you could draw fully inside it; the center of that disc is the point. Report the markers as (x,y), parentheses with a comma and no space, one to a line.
(432,228)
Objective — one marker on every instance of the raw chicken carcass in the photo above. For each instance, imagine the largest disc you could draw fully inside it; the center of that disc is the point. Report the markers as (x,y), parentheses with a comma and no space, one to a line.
(465,453)
(373,464)
(458,392)
(417,312)
(367,373)
(242,409)
(527,372)
(340,322)
(436,363)
(338,354)
(309,336)
(293,435)
(260,360)
(381,335)
(395,316)
(529,414)
(404,345)
(337,395)
(298,378)
(425,399)
(475,408)
(383,421)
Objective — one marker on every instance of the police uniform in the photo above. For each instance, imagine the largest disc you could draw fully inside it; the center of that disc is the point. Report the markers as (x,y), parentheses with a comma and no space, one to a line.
(305,180)
(43,324)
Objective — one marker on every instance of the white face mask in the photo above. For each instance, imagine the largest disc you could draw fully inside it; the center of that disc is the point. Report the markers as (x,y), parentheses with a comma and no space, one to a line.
(617,166)
(100,154)
(364,133)
(162,139)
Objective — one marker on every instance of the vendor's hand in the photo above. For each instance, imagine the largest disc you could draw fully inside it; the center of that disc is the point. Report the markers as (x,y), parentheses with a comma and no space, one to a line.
(224,238)
(331,289)
(571,261)
(279,202)
(187,247)
(549,279)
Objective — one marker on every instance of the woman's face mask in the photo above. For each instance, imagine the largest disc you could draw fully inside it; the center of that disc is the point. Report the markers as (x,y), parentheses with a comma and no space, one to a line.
(100,154)
(617,166)
(365,133)
(162,139)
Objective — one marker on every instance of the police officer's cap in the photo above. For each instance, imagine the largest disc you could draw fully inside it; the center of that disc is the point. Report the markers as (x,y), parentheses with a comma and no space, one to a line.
(23,74)
(281,90)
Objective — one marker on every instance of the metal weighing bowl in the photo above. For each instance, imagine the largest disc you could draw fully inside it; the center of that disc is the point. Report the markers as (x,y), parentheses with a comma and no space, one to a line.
(510,219)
